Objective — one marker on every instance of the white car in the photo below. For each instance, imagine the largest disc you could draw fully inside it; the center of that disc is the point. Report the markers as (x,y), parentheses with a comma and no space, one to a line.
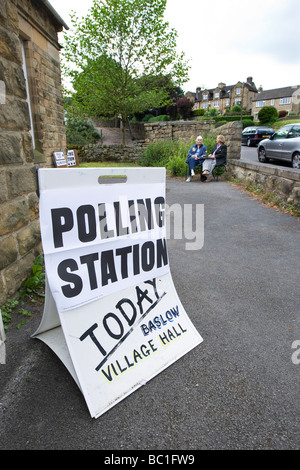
(283,145)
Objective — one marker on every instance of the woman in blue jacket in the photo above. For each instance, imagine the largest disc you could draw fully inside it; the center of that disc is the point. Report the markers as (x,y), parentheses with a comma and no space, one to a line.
(195,155)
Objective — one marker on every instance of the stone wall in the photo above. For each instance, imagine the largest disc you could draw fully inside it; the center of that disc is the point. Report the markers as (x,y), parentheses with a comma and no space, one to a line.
(177,130)
(19,214)
(188,131)
(153,132)
(285,184)
(109,153)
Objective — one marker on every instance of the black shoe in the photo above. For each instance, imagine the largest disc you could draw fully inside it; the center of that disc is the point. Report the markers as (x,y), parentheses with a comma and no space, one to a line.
(203,178)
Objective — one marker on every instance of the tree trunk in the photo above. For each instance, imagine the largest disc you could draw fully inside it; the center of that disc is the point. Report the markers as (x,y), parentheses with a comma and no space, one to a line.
(124,121)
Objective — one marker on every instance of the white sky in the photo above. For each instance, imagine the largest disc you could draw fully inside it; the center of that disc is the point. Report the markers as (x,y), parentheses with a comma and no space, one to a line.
(229,41)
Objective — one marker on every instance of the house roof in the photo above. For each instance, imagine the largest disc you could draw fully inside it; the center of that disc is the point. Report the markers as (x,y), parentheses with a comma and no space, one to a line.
(55,14)
(224,91)
(276,93)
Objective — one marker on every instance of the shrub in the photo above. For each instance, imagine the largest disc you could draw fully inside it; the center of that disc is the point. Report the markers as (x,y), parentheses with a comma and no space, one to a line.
(162,117)
(80,132)
(171,109)
(177,165)
(247,123)
(282,114)
(231,118)
(198,112)
(236,108)
(184,107)
(158,153)
(220,123)
(268,115)
(210,142)
(211,112)
(147,117)
(173,154)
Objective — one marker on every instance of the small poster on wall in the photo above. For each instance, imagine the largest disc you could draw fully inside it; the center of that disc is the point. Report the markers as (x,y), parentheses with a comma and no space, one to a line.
(72,158)
(59,160)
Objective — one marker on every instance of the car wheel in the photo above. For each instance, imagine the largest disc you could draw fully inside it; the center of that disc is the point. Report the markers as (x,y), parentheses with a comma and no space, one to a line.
(262,155)
(296,160)
(248,143)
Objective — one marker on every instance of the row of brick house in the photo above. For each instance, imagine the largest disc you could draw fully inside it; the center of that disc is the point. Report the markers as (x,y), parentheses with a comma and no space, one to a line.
(224,97)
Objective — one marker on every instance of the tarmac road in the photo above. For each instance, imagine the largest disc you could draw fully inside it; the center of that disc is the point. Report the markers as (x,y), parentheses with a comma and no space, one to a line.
(239,389)
(249,154)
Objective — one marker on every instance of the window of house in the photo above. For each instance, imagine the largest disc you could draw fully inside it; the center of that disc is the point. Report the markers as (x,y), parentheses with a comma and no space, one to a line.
(217,95)
(238,91)
(205,97)
(27,91)
(216,104)
(272,102)
(237,101)
(205,105)
(227,103)
(260,104)
(285,100)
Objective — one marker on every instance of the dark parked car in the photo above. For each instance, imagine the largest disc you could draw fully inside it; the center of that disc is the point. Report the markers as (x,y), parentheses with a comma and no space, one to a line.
(283,145)
(253,135)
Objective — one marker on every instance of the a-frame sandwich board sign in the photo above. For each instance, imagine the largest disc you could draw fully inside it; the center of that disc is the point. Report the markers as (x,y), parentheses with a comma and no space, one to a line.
(112,313)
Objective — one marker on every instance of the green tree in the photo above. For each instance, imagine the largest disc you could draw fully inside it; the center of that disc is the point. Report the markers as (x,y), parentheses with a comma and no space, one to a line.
(267,115)
(116,48)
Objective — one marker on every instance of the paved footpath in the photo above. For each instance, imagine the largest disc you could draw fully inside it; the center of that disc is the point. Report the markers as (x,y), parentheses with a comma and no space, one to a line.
(239,389)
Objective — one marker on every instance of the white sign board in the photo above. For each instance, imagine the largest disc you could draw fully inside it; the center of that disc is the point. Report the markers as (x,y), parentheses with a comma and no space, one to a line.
(59,159)
(112,313)
(72,158)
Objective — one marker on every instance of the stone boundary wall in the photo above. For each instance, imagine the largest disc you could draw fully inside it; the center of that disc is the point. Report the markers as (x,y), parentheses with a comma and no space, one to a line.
(20,239)
(19,224)
(176,130)
(109,153)
(284,183)
(186,131)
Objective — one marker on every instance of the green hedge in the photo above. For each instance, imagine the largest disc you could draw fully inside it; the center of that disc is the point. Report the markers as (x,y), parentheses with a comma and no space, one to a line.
(232,118)
(198,112)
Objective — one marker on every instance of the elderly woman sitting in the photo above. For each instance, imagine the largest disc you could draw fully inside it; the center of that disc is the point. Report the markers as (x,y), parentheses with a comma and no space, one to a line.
(195,155)
(217,157)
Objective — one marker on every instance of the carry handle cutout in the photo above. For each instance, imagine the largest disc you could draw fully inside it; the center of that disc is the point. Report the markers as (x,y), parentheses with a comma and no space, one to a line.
(112,179)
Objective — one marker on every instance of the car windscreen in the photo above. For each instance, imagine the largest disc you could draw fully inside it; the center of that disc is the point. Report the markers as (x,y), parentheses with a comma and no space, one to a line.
(281,133)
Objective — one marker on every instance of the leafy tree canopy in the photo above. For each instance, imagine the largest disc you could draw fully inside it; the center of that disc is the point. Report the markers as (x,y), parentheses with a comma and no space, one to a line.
(123,52)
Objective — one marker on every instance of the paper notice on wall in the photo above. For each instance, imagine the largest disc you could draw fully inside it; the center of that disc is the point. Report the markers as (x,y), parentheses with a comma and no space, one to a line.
(112,313)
